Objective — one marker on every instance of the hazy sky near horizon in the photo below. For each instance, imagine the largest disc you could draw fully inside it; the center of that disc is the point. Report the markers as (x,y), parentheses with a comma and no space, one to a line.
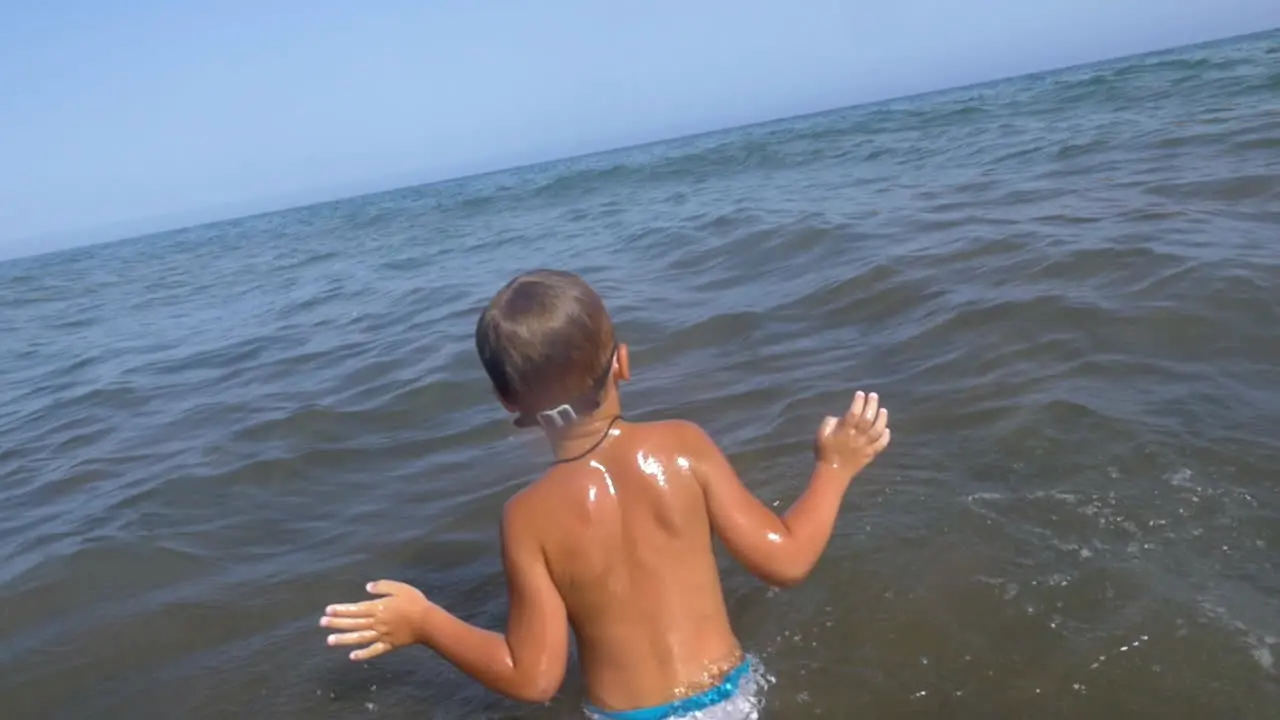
(118,112)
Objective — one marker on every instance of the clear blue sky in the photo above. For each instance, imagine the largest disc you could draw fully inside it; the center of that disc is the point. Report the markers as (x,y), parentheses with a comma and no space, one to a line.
(113,112)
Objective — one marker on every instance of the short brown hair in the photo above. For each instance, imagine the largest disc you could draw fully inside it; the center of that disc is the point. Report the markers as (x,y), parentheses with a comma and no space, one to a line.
(546,340)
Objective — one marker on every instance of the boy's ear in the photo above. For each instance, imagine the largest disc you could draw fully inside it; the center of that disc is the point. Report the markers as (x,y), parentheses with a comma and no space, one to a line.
(622,363)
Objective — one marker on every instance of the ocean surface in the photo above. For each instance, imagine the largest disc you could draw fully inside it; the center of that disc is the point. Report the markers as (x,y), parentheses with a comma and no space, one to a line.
(1065,286)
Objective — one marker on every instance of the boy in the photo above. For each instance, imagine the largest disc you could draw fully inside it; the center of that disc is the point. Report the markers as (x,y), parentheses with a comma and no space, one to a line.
(615,539)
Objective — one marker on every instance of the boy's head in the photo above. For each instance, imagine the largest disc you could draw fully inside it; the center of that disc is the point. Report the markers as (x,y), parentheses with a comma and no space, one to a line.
(546,341)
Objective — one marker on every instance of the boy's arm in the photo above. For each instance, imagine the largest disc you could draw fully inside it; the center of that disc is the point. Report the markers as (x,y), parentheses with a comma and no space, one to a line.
(526,663)
(783,550)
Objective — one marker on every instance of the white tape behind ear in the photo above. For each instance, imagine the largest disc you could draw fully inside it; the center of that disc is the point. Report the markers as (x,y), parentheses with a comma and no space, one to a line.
(557,417)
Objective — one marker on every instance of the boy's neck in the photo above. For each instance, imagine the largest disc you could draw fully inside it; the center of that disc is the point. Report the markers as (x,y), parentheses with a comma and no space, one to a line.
(581,437)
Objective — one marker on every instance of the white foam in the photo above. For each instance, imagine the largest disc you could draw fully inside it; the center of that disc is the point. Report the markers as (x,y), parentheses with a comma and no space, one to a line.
(1262,653)
(1180,478)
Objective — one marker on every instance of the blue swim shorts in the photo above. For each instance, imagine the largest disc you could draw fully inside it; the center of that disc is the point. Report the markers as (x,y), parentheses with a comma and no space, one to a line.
(728,689)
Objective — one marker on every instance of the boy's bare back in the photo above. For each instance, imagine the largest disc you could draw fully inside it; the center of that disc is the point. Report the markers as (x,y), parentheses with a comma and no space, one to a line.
(627,540)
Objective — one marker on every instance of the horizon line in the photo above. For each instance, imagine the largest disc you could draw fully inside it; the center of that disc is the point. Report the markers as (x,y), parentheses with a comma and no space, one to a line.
(287,206)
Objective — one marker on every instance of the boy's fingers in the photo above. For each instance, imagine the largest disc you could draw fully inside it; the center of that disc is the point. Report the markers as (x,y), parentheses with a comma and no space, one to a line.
(346,623)
(383,587)
(859,401)
(828,426)
(883,442)
(361,609)
(370,652)
(882,422)
(869,411)
(353,638)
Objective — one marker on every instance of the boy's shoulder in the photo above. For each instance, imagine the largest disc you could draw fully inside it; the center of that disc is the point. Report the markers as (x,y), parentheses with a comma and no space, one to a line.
(676,429)
(533,506)
(673,435)
(668,425)
(690,438)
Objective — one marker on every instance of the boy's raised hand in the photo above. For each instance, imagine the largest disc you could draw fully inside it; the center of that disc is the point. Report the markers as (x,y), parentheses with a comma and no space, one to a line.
(382,625)
(853,441)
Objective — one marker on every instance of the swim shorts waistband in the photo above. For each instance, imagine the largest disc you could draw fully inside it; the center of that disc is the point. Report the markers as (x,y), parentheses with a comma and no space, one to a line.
(684,706)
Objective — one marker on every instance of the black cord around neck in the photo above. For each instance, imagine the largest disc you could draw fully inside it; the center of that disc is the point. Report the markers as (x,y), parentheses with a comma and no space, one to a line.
(595,446)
